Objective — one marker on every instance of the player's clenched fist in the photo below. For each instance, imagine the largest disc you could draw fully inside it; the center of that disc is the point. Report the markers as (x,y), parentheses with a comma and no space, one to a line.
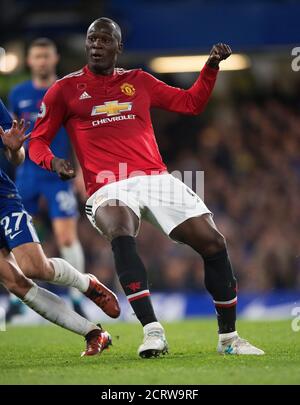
(63,168)
(218,52)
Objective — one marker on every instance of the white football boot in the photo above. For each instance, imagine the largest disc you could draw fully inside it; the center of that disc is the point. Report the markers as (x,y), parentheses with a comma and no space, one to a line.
(231,343)
(155,342)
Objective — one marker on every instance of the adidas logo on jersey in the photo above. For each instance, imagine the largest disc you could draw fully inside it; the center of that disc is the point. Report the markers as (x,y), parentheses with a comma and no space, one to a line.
(84,95)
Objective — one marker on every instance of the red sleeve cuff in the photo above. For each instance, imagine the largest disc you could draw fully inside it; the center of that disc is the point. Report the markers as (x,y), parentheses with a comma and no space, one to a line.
(210,71)
(47,161)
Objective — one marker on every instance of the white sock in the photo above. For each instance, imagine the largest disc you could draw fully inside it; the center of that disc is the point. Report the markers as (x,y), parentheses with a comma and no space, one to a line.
(53,308)
(65,274)
(74,255)
(227,336)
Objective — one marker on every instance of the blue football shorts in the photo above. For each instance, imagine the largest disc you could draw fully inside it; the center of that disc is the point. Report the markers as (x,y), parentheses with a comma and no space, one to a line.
(16,226)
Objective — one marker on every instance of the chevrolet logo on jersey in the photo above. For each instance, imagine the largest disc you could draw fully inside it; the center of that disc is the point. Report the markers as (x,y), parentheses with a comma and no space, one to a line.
(111,108)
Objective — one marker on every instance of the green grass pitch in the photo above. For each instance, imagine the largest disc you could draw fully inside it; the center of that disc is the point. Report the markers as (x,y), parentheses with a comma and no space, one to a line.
(50,355)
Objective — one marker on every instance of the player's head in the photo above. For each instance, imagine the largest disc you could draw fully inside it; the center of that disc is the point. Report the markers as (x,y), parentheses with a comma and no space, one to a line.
(103,44)
(42,57)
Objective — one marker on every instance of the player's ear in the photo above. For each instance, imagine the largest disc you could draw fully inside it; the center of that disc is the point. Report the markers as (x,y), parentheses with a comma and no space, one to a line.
(120,47)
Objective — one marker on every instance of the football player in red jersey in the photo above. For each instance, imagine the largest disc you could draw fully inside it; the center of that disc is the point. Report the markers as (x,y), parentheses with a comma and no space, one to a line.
(106,112)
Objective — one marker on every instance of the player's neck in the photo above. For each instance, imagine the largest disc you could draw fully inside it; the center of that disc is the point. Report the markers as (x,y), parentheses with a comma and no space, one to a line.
(42,83)
(102,72)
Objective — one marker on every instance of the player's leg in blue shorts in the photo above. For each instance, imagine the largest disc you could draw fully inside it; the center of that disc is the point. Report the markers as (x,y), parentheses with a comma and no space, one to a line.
(16,226)
(16,229)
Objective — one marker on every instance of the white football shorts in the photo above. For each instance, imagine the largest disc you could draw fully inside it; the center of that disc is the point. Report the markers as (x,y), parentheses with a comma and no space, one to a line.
(160,199)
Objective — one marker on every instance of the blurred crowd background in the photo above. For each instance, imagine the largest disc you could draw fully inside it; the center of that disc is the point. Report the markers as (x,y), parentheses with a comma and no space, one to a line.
(247,141)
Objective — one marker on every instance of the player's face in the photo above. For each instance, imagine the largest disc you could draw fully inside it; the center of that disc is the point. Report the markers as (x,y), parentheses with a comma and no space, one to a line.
(42,61)
(102,47)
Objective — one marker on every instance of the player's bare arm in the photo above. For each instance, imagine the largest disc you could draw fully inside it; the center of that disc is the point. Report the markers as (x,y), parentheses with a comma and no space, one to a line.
(13,139)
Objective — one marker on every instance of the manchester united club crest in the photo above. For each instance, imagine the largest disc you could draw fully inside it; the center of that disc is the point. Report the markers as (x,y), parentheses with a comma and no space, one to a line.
(128,89)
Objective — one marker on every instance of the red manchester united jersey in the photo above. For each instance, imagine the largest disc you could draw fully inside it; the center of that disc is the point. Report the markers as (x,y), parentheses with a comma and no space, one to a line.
(108,121)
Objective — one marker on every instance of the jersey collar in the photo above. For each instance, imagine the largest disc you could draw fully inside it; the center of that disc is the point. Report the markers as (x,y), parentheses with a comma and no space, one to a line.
(102,78)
